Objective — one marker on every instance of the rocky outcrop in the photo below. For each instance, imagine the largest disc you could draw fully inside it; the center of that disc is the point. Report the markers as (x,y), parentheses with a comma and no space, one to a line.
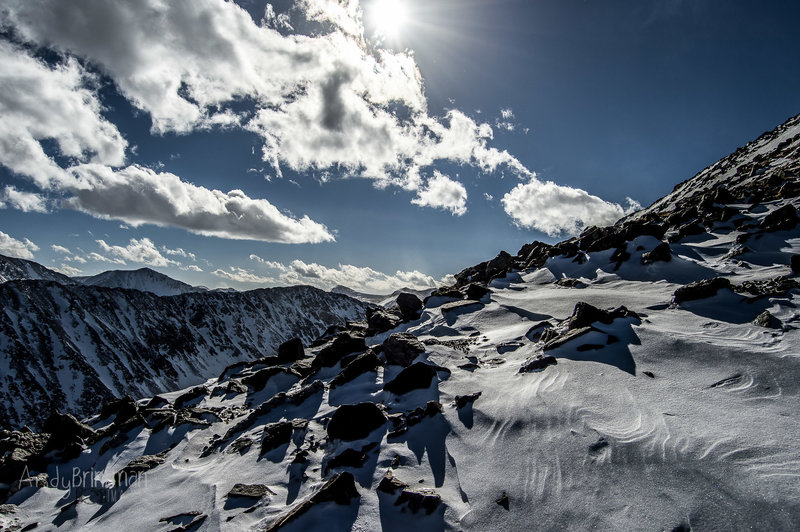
(401,349)
(700,289)
(416,376)
(355,422)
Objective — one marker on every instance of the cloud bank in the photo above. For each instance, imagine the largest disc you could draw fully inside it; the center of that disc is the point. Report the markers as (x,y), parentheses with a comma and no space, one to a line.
(12,247)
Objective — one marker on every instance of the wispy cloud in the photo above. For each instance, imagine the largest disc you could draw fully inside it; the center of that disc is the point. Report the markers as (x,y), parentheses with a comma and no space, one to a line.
(240,275)
(12,247)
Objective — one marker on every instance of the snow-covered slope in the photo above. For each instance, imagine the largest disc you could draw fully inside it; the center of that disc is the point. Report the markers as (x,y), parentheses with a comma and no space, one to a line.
(143,279)
(644,376)
(70,346)
(13,269)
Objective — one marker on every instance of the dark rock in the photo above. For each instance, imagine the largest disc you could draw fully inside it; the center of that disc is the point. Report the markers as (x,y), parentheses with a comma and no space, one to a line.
(122,409)
(137,466)
(390,483)
(534,334)
(649,374)
(661,252)
(304,368)
(475,291)
(193,525)
(446,291)
(355,422)
(259,379)
(486,271)
(341,489)
(347,458)
(700,289)
(67,434)
(400,349)
(235,387)
(794,264)
(343,344)
(689,229)
(503,500)
(781,219)
(567,248)
(416,376)
(409,304)
(156,402)
(275,435)
(422,499)
(455,305)
(620,255)
(361,364)
(599,238)
(250,491)
(291,351)
(432,408)
(538,364)
(766,319)
(464,400)
(585,314)
(191,395)
(380,320)
(569,282)
(533,255)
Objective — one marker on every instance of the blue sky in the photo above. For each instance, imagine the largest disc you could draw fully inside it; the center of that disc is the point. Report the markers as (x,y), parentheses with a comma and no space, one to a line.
(323,142)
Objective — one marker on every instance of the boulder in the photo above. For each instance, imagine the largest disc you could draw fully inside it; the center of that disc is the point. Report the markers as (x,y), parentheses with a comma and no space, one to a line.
(410,305)
(400,349)
(557,340)
(661,252)
(275,435)
(67,433)
(700,289)
(767,320)
(361,364)
(421,499)
(191,395)
(291,351)
(259,379)
(537,364)
(781,219)
(476,291)
(380,320)
(341,489)
(349,458)
(585,314)
(122,409)
(464,400)
(250,491)
(342,344)
(355,422)
(794,264)
(137,466)
(417,376)
(390,483)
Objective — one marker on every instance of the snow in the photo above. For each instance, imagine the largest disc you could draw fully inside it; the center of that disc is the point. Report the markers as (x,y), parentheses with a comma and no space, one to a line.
(592,442)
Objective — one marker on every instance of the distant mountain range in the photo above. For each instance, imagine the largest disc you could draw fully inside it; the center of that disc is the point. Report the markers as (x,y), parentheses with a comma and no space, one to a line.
(382,300)
(68,345)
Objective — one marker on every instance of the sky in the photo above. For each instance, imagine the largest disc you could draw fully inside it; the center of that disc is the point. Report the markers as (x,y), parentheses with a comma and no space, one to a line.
(376,144)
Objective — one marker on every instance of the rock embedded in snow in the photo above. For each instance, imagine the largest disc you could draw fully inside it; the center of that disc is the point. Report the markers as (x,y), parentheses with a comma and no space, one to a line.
(420,499)
(767,320)
(343,344)
(400,349)
(355,422)
(250,491)
(390,484)
(476,291)
(416,376)
(380,320)
(537,364)
(700,289)
(361,364)
(340,489)
(291,351)
(138,465)
(409,304)
(463,400)
(661,253)
(275,435)
(781,219)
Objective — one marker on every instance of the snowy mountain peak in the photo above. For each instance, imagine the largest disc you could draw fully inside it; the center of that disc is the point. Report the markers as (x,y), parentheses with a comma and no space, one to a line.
(144,279)
(13,269)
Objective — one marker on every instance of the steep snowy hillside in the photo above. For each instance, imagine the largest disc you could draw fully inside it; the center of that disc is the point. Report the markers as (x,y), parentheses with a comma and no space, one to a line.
(643,376)
(143,279)
(14,269)
(70,346)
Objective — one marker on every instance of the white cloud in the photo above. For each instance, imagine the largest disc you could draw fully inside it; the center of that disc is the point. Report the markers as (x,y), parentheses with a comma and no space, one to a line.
(240,275)
(179,252)
(39,102)
(359,278)
(268,263)
(139,195)
(444,193)
(558,210)
(488,196)
(24,201)
(12,247)
(142,251)
(193,268)
(66,269)
(96,257)
(60,249)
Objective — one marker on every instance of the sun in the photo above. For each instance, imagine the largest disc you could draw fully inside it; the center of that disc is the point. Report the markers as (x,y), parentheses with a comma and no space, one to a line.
(388,17)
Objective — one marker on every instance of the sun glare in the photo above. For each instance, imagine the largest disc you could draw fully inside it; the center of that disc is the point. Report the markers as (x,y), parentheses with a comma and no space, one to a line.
(389,17)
